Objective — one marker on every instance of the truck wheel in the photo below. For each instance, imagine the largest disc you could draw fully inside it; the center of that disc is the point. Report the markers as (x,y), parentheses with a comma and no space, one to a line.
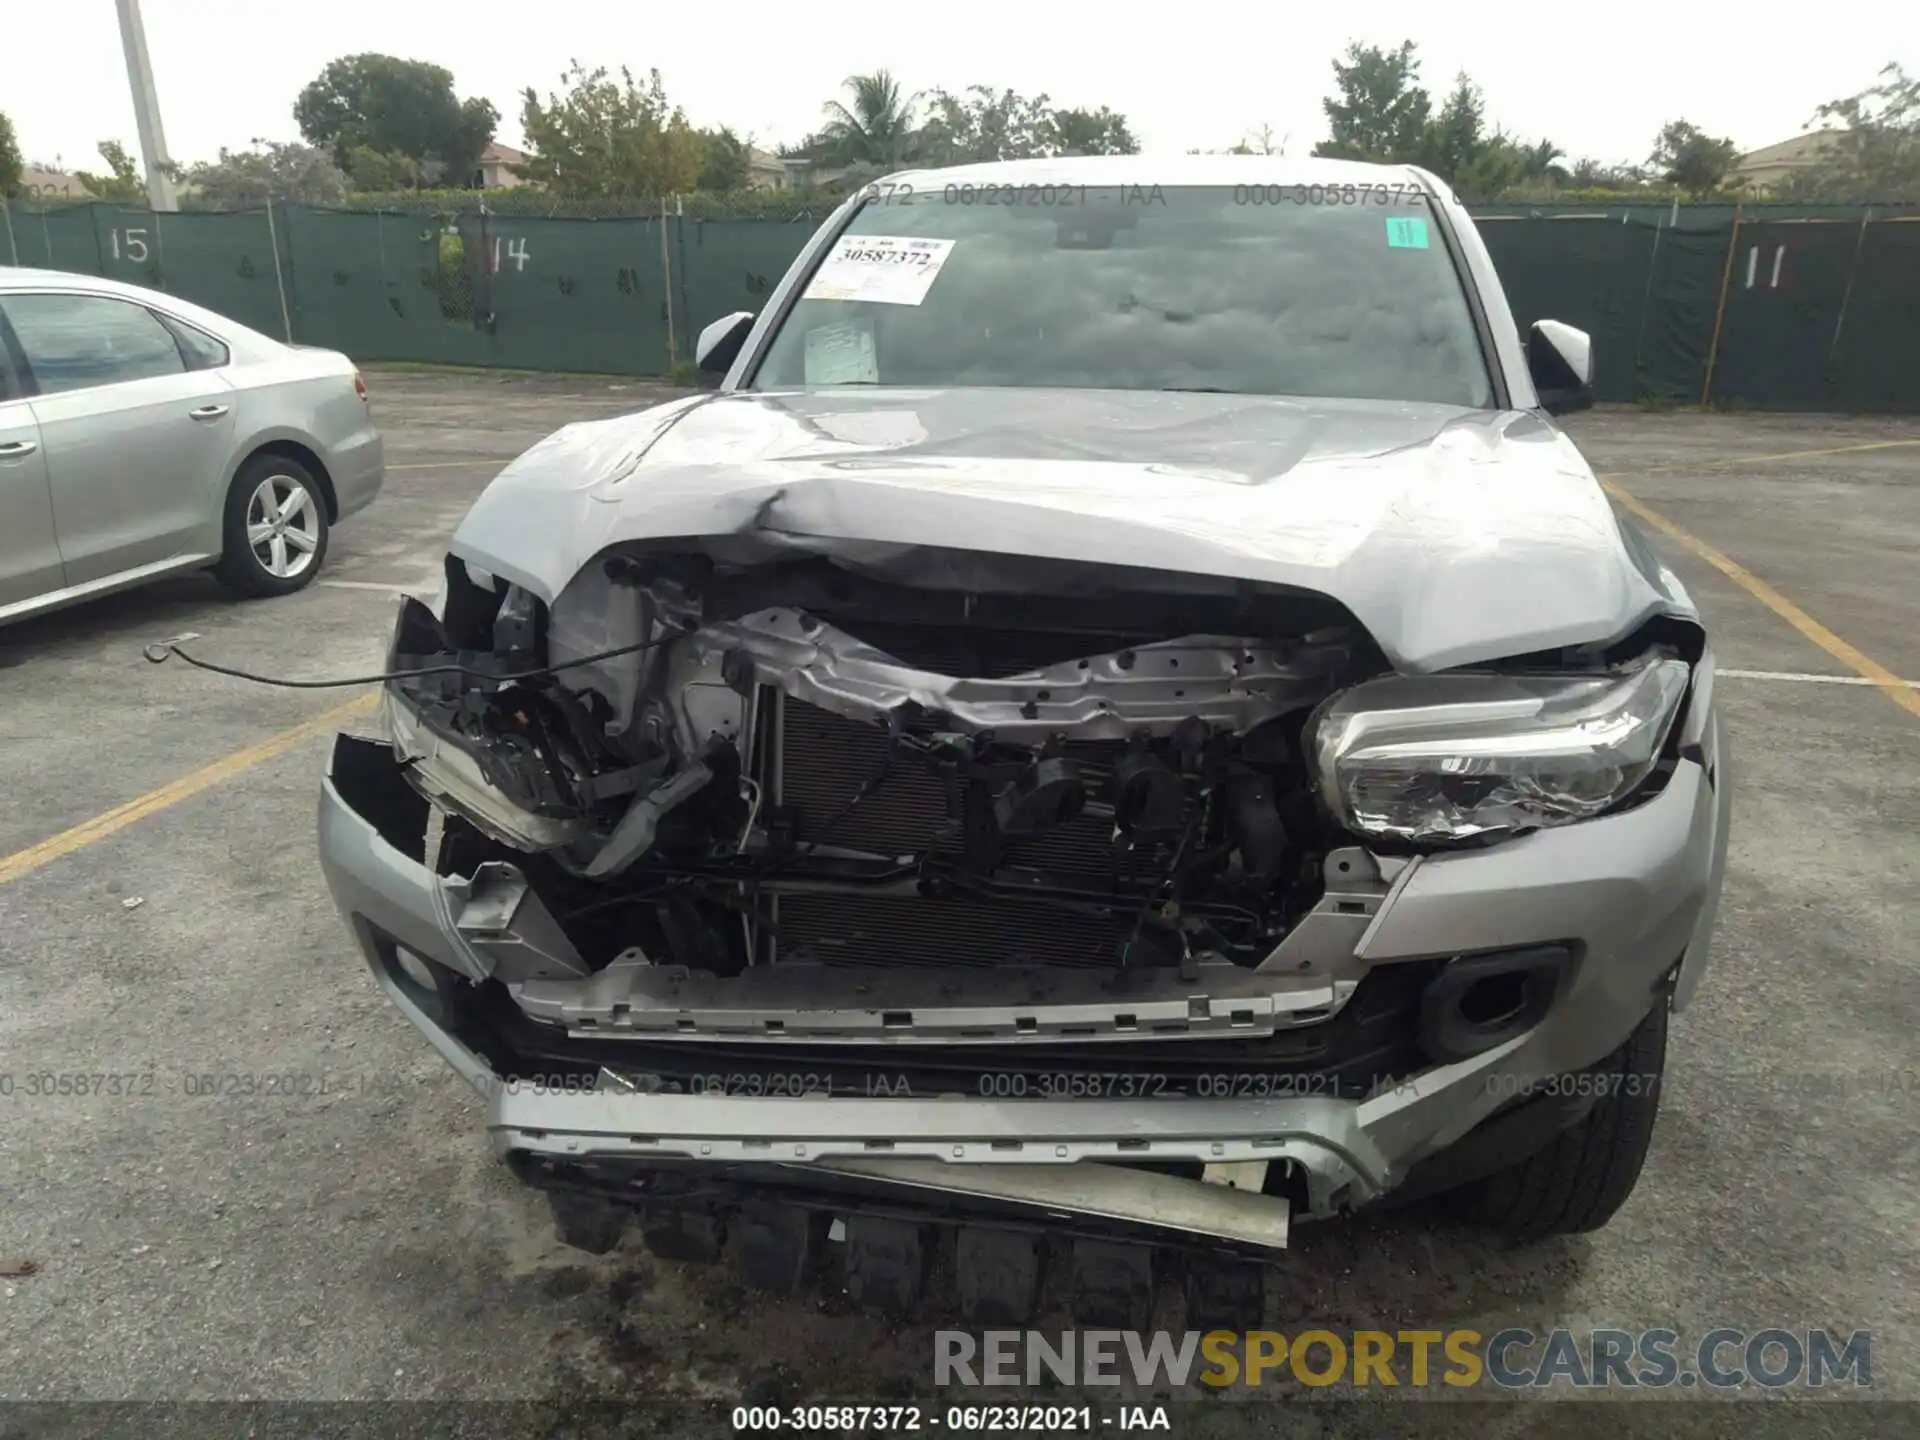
(1585,1173)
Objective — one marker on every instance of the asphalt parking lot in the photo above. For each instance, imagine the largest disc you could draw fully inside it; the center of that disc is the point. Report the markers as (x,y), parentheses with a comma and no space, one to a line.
(362,1243)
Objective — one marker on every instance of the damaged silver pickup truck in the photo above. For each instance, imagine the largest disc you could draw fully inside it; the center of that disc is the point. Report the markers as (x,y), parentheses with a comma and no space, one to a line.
(1120,718)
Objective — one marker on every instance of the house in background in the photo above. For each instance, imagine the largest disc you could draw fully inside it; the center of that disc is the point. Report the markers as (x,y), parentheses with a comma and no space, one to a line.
(493,172)
(805,171)
(767,171)
(1765,169)
(37,182)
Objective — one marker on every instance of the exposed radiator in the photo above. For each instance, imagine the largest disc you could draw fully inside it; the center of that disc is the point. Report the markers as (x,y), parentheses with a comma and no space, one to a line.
(824,761)
(827,758)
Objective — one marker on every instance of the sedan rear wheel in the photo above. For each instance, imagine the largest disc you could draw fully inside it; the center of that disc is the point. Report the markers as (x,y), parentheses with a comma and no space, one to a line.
(275,528)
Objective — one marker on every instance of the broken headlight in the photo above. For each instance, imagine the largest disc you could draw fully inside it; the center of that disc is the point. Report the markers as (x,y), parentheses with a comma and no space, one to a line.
(1457,757)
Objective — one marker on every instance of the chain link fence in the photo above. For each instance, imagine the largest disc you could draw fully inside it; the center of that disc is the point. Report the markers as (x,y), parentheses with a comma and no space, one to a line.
(1783,307)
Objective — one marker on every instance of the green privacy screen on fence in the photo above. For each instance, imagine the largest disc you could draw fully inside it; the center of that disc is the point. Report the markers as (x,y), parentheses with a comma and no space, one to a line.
(1645,293)
(577,294)
(383,287)
(1816,308)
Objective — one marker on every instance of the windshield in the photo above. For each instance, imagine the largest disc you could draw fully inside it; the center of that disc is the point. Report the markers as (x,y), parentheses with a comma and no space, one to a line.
(1270,290)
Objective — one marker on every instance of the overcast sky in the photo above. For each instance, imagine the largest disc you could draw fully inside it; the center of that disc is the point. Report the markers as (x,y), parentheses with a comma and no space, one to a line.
(1598,79)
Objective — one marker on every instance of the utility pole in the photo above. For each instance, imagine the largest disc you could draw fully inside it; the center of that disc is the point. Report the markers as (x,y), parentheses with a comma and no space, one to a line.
(146,107)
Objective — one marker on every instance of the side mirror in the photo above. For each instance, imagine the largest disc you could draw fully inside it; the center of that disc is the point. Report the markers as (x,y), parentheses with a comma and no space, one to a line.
(719,344)
(1560,360)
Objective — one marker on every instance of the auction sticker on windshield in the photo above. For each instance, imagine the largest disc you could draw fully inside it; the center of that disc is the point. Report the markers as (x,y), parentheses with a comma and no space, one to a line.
(885,269)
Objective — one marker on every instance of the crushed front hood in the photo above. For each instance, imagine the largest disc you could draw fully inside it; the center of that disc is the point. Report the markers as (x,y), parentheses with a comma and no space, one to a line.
(1452,535)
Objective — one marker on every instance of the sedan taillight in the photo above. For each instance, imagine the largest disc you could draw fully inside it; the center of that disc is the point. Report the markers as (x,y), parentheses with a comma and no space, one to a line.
(359,385)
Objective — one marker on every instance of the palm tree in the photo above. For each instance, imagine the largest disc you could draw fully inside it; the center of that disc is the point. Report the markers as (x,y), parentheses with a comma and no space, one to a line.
(1501,165)
(877,129)
(1541,161)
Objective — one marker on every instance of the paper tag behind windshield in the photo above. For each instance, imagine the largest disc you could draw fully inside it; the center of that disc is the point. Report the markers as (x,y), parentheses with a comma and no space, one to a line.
(883,269)
(842,354)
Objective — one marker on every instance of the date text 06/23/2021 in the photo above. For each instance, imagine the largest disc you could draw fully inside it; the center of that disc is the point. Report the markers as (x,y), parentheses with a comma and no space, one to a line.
(1008,1419)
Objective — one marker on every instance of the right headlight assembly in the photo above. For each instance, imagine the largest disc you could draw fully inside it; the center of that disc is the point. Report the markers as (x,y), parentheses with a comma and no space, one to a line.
(1442,758)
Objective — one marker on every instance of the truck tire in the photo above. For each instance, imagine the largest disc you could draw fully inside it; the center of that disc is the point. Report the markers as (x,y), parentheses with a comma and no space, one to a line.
(1584,1174)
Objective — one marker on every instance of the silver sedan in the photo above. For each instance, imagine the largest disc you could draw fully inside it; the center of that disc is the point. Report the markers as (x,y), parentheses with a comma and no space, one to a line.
(141,436)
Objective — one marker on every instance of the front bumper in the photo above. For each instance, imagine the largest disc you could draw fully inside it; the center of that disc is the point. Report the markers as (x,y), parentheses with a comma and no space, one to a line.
(1632,893)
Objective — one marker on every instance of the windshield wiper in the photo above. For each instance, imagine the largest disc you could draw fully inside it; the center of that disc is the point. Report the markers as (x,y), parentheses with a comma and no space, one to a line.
(1196,390)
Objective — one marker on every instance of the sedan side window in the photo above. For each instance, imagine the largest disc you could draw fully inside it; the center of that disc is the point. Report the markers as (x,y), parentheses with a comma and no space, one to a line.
(77,342)
(10,386)
(203,352)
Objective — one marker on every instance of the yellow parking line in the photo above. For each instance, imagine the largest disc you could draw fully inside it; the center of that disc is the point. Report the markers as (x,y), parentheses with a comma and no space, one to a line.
(1719,466)
(1890,684)
(21,862)
(1814,454)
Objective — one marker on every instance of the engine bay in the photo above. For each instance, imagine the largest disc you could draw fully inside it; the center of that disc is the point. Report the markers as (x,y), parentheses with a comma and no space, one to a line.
(797,761)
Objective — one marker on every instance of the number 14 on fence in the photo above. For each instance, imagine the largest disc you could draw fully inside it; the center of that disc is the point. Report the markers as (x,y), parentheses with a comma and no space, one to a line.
(516,251)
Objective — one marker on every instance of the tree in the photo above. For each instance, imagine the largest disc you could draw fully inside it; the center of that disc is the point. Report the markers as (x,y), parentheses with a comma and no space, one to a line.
(877,130)
(13,169)
(1457,135)
(1381,111)
(1502,165)
(1875,152)
(396,107)
(1259,142)
(728,160)
(1587,173)
(1252,142)
(370,169)
(981,126)
(1687,157)
(268,171)
(604,137)
(1092,132)
(122,180)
